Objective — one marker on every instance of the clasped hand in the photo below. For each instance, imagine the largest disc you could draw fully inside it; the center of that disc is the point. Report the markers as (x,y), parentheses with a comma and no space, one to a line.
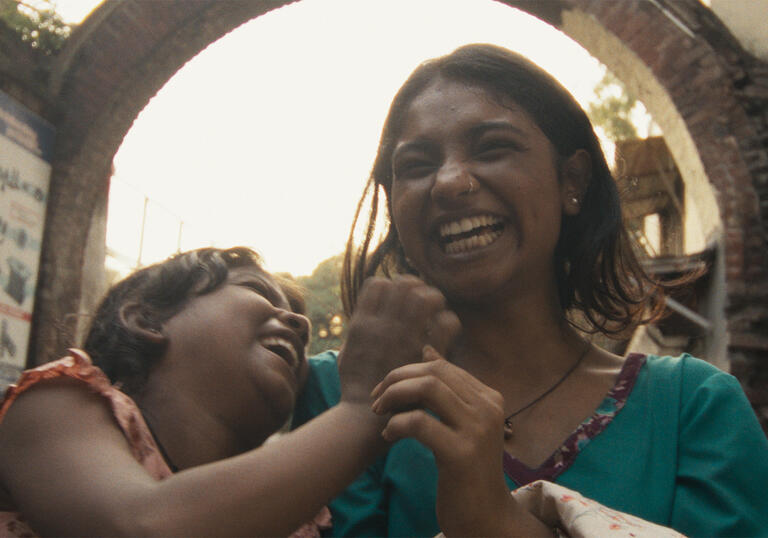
(464,432)
(394,357)
(393,321)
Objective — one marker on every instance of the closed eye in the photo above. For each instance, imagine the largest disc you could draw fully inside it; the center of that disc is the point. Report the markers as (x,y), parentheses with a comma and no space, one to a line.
(494,149)
(415,159)
(412,168)
(260,288)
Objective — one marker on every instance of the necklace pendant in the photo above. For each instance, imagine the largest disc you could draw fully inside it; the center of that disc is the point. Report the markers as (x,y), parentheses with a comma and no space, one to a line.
(508,421)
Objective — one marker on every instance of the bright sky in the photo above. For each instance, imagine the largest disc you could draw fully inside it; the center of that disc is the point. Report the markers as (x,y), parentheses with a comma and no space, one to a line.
(266,138)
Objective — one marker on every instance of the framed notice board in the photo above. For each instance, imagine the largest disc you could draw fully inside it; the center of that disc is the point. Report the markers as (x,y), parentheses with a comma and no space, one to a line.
(26,146)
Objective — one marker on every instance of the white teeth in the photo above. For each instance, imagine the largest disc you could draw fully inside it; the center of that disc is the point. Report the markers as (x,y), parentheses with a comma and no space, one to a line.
(277,341)
(467,224)
(481,235)
(474,241)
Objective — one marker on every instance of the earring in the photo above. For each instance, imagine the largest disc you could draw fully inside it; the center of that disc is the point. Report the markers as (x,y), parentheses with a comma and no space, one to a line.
(575,200)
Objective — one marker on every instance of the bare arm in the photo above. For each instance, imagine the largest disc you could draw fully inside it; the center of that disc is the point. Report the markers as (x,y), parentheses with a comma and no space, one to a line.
(70,470)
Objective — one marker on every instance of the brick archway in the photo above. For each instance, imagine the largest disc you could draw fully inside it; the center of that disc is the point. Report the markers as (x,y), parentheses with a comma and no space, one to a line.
(115,62)
(704,90)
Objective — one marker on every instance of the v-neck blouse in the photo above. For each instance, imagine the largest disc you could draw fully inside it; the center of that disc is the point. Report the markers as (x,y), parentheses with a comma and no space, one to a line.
(675,442)
(591,427)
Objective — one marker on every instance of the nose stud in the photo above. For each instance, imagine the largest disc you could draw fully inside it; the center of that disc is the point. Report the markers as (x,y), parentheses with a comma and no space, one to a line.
(472,187)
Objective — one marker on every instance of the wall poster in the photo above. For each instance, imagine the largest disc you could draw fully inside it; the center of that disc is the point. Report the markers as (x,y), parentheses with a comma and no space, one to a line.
(26,146)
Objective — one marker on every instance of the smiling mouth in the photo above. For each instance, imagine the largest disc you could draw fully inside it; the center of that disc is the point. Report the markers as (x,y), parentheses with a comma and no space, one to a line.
(470,233)
(282,348)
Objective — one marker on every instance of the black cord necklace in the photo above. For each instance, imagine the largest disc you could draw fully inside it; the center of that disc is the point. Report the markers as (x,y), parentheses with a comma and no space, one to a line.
(508,421)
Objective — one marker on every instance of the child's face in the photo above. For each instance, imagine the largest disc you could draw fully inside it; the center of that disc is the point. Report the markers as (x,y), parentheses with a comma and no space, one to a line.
(242,348)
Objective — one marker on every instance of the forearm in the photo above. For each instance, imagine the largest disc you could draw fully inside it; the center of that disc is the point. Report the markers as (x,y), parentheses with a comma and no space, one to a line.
(495,512)
(83,480)
(274,489)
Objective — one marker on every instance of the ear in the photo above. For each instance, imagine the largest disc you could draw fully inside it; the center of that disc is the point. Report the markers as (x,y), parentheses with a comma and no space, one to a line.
(134,317)
(575,175)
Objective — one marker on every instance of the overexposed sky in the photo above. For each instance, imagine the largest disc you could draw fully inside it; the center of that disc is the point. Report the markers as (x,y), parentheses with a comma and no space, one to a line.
(266,138)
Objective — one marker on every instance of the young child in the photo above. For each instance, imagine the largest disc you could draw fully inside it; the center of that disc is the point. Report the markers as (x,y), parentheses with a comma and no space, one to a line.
(189,365)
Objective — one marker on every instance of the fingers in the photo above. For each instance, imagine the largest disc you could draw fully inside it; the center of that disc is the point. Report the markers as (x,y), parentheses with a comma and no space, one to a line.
(393,321)
(417,424)
(459,380)
(458,431)
(399,374)
(401,294)
(455,396)
(371,295)
(444,331)
(410,296)
(429,353)
(425,392)
(405,298)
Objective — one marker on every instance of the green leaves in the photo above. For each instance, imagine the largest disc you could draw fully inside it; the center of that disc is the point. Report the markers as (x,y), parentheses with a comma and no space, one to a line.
(613,111)
(323,296)
(37,23)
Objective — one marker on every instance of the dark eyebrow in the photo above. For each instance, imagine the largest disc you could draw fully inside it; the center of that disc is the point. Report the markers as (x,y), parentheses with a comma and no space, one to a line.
(486,126)
(473,132)
(273,292)
(414,145)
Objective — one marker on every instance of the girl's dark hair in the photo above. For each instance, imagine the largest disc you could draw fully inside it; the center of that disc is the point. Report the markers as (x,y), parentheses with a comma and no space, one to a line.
(162,290)
(596,268)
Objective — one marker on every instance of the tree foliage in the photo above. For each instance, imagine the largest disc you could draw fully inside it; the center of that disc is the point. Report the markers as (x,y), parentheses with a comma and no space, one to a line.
(37,24)
(613,110)
(323,296)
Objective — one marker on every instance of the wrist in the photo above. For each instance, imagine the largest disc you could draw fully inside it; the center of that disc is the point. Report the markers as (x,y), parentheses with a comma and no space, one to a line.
(368,425)
(521,522)
(496,513)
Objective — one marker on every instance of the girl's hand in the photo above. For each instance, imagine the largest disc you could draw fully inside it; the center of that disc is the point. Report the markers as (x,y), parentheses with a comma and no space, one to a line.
(393,321)
(467,440)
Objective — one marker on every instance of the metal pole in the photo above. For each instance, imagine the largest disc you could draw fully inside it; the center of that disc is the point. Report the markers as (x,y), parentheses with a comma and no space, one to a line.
(141,237)
(178,240)
(689,314)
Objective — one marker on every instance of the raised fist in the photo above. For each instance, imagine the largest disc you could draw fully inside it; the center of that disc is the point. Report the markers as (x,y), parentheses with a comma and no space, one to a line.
(393,321)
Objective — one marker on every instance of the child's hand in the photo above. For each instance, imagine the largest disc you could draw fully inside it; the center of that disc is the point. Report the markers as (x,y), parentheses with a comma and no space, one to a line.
(393,321)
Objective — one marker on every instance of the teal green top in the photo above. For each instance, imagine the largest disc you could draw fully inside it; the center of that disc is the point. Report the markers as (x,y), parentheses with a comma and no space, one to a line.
(676,443)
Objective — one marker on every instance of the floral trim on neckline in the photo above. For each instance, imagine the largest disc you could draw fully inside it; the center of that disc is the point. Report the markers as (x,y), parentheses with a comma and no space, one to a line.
(564,456)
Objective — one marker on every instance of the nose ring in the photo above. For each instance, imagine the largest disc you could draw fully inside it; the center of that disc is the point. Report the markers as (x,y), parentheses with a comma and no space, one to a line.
(472,187)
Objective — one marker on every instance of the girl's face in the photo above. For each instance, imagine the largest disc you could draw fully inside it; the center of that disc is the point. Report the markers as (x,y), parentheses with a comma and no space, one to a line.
(241,348)
(501,236)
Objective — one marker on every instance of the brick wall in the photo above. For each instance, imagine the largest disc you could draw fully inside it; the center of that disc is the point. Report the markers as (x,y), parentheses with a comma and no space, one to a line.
(720,98)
